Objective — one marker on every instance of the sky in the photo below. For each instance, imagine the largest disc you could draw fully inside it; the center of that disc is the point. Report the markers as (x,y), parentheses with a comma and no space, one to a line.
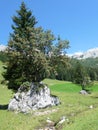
(73,20)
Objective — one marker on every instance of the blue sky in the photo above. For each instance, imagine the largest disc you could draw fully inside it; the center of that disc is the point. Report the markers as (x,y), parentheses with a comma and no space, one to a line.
(73,20)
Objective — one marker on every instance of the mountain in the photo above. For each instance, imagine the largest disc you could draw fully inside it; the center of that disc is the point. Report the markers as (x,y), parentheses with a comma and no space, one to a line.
(2,47)
(91,53)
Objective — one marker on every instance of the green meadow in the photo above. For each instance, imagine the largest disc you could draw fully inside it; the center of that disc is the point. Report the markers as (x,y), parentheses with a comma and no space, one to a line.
(74,106)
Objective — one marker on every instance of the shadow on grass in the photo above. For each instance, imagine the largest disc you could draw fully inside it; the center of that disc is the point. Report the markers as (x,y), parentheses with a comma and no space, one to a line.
(4,107)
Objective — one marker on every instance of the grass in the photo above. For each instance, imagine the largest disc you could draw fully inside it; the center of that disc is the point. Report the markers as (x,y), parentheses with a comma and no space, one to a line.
(62,86)
(87,120)
(74,106)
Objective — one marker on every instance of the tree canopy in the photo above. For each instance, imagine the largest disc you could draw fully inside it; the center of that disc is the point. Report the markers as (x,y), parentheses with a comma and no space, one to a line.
(30,50)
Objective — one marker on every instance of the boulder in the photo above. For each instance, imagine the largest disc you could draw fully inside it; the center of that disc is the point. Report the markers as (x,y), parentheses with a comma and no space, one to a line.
(83,92)
(37,97)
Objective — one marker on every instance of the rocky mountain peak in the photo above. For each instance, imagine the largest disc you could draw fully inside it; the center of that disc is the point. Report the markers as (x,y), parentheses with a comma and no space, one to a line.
(2,47)
(91,53)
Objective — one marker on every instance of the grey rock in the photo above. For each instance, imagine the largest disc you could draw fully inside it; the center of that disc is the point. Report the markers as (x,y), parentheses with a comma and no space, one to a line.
(37,97)
(84,92)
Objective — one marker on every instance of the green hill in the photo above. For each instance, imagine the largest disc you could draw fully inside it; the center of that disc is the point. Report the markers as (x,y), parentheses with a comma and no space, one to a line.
(74,106)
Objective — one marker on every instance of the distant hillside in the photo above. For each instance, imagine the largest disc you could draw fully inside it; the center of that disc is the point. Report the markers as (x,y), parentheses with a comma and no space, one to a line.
(91,53)
(3,55)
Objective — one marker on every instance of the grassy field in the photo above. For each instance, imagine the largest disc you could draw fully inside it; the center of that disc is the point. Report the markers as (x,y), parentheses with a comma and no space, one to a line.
(74,106)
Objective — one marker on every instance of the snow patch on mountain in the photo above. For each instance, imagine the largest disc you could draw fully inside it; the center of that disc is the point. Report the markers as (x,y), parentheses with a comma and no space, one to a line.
(91,53)
(2,47)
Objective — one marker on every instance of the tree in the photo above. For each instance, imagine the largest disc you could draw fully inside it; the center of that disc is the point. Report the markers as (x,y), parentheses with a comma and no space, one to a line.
(3,56)
(59,61)
(26,61)
(81,77)
(44,40)
(31,51)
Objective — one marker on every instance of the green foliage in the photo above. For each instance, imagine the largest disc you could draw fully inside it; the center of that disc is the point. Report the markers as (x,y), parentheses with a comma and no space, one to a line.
(61,46)
(31,51)
(91,64)
(60,66)
(3,56)
(44,40)
(26,62)
(25,86)
(81,77)
(89,67)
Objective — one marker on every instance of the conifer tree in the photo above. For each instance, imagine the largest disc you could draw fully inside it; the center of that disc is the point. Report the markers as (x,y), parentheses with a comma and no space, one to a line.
(26,62)
(31,51)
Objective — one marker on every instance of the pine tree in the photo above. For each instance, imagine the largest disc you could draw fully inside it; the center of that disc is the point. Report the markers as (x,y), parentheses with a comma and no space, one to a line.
(26,62)
(31,51)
